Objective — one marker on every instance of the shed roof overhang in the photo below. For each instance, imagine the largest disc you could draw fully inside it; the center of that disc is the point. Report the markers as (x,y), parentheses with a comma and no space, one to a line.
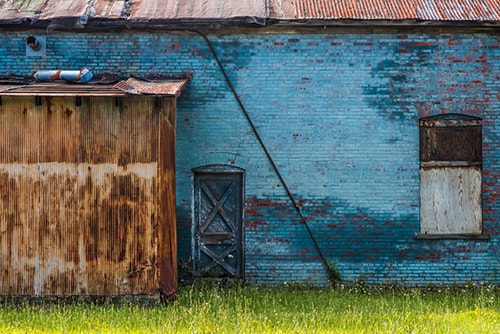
(131,86)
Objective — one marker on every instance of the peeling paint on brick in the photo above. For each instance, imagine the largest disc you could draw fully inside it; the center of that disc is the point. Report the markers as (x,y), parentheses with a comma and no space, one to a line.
(339,114)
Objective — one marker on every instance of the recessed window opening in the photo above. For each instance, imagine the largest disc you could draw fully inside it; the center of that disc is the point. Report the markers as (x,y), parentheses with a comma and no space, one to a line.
(450,175)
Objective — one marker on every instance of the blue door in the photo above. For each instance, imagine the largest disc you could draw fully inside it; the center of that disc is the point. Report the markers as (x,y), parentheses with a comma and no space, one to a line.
(218,221)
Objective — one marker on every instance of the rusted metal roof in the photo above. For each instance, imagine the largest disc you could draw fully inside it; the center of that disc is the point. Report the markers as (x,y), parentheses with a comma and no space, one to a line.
(125,87)
(186,13)
(205,9)
(140,87)
(420,10)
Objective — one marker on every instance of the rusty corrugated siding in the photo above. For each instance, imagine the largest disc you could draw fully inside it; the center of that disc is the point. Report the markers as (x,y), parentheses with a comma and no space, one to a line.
(167,199)
(191,12)
(80,204)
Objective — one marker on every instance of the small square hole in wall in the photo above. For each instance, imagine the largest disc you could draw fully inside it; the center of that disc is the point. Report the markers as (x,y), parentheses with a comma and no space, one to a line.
(35,45)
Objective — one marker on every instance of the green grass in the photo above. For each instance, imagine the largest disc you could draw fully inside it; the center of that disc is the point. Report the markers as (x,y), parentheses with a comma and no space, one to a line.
(208,309)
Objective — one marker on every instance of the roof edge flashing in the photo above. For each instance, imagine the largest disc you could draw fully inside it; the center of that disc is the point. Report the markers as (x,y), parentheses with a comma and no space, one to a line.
(106,24)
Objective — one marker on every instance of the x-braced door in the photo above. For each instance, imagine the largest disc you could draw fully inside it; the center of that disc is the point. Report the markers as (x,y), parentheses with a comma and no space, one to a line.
(218,219)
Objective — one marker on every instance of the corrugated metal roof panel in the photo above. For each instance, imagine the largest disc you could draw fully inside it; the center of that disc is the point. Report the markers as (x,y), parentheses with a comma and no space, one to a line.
(139,87)
(355,9)
(108,9)
(191,11)
(425,10)
(63,8)
(459,10)
(202,9)
(60,89)
(128,87)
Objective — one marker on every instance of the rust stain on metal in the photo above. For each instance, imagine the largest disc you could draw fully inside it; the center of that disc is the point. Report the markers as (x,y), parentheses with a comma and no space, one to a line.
(140,87)
(441,10)
(166,196)
(76,217)
(77,13)
(123,88)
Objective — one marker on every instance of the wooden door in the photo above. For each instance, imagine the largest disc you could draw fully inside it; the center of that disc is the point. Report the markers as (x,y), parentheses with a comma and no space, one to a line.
(218,220)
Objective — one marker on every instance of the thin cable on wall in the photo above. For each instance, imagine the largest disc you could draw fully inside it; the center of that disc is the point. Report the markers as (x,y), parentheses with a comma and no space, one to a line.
(266,151)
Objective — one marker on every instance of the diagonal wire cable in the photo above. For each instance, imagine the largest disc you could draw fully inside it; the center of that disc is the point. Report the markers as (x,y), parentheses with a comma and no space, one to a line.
(266,151)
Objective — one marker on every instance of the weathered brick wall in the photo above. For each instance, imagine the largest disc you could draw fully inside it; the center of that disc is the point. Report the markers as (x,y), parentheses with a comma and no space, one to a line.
(339,115)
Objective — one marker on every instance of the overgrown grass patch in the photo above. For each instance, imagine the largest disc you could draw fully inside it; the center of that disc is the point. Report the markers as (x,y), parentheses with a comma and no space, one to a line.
(287,309)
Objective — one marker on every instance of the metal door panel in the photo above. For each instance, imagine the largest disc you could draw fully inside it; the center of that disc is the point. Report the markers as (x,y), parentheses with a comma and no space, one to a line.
(217,226)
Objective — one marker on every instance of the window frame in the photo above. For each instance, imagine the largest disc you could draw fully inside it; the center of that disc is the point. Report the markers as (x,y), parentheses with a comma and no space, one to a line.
(449,143)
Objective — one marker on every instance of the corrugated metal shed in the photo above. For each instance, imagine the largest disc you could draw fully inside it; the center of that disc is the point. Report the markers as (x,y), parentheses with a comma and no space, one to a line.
(87,188)
(81,13)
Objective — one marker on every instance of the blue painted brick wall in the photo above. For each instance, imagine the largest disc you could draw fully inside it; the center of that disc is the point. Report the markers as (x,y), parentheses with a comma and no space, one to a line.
(339,115)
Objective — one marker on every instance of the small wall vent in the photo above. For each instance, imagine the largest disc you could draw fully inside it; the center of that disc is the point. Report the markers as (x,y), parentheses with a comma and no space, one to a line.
(36,46)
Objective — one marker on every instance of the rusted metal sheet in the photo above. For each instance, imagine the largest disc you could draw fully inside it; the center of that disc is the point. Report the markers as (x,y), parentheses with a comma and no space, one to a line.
(17,11)
(60,8)
(109,9)
(140,87)
(166,200)
(202,9)
(59,89)
(172,87)
(459,10)
(80,209)
(353,9)
(450,200)
(77,14)
(428,10)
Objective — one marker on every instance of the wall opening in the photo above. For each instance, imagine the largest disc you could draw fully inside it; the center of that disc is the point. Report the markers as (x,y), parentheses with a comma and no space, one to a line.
(450,175)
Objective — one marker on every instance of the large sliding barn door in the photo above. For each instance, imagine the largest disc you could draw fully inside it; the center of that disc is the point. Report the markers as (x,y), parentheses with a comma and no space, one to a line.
(218,220)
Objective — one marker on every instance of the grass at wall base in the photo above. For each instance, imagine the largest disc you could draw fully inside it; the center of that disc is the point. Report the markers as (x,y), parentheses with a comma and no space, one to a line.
(236,308)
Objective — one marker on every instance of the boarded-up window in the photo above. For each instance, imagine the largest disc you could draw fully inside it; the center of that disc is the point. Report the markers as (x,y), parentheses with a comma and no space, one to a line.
(450,174)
